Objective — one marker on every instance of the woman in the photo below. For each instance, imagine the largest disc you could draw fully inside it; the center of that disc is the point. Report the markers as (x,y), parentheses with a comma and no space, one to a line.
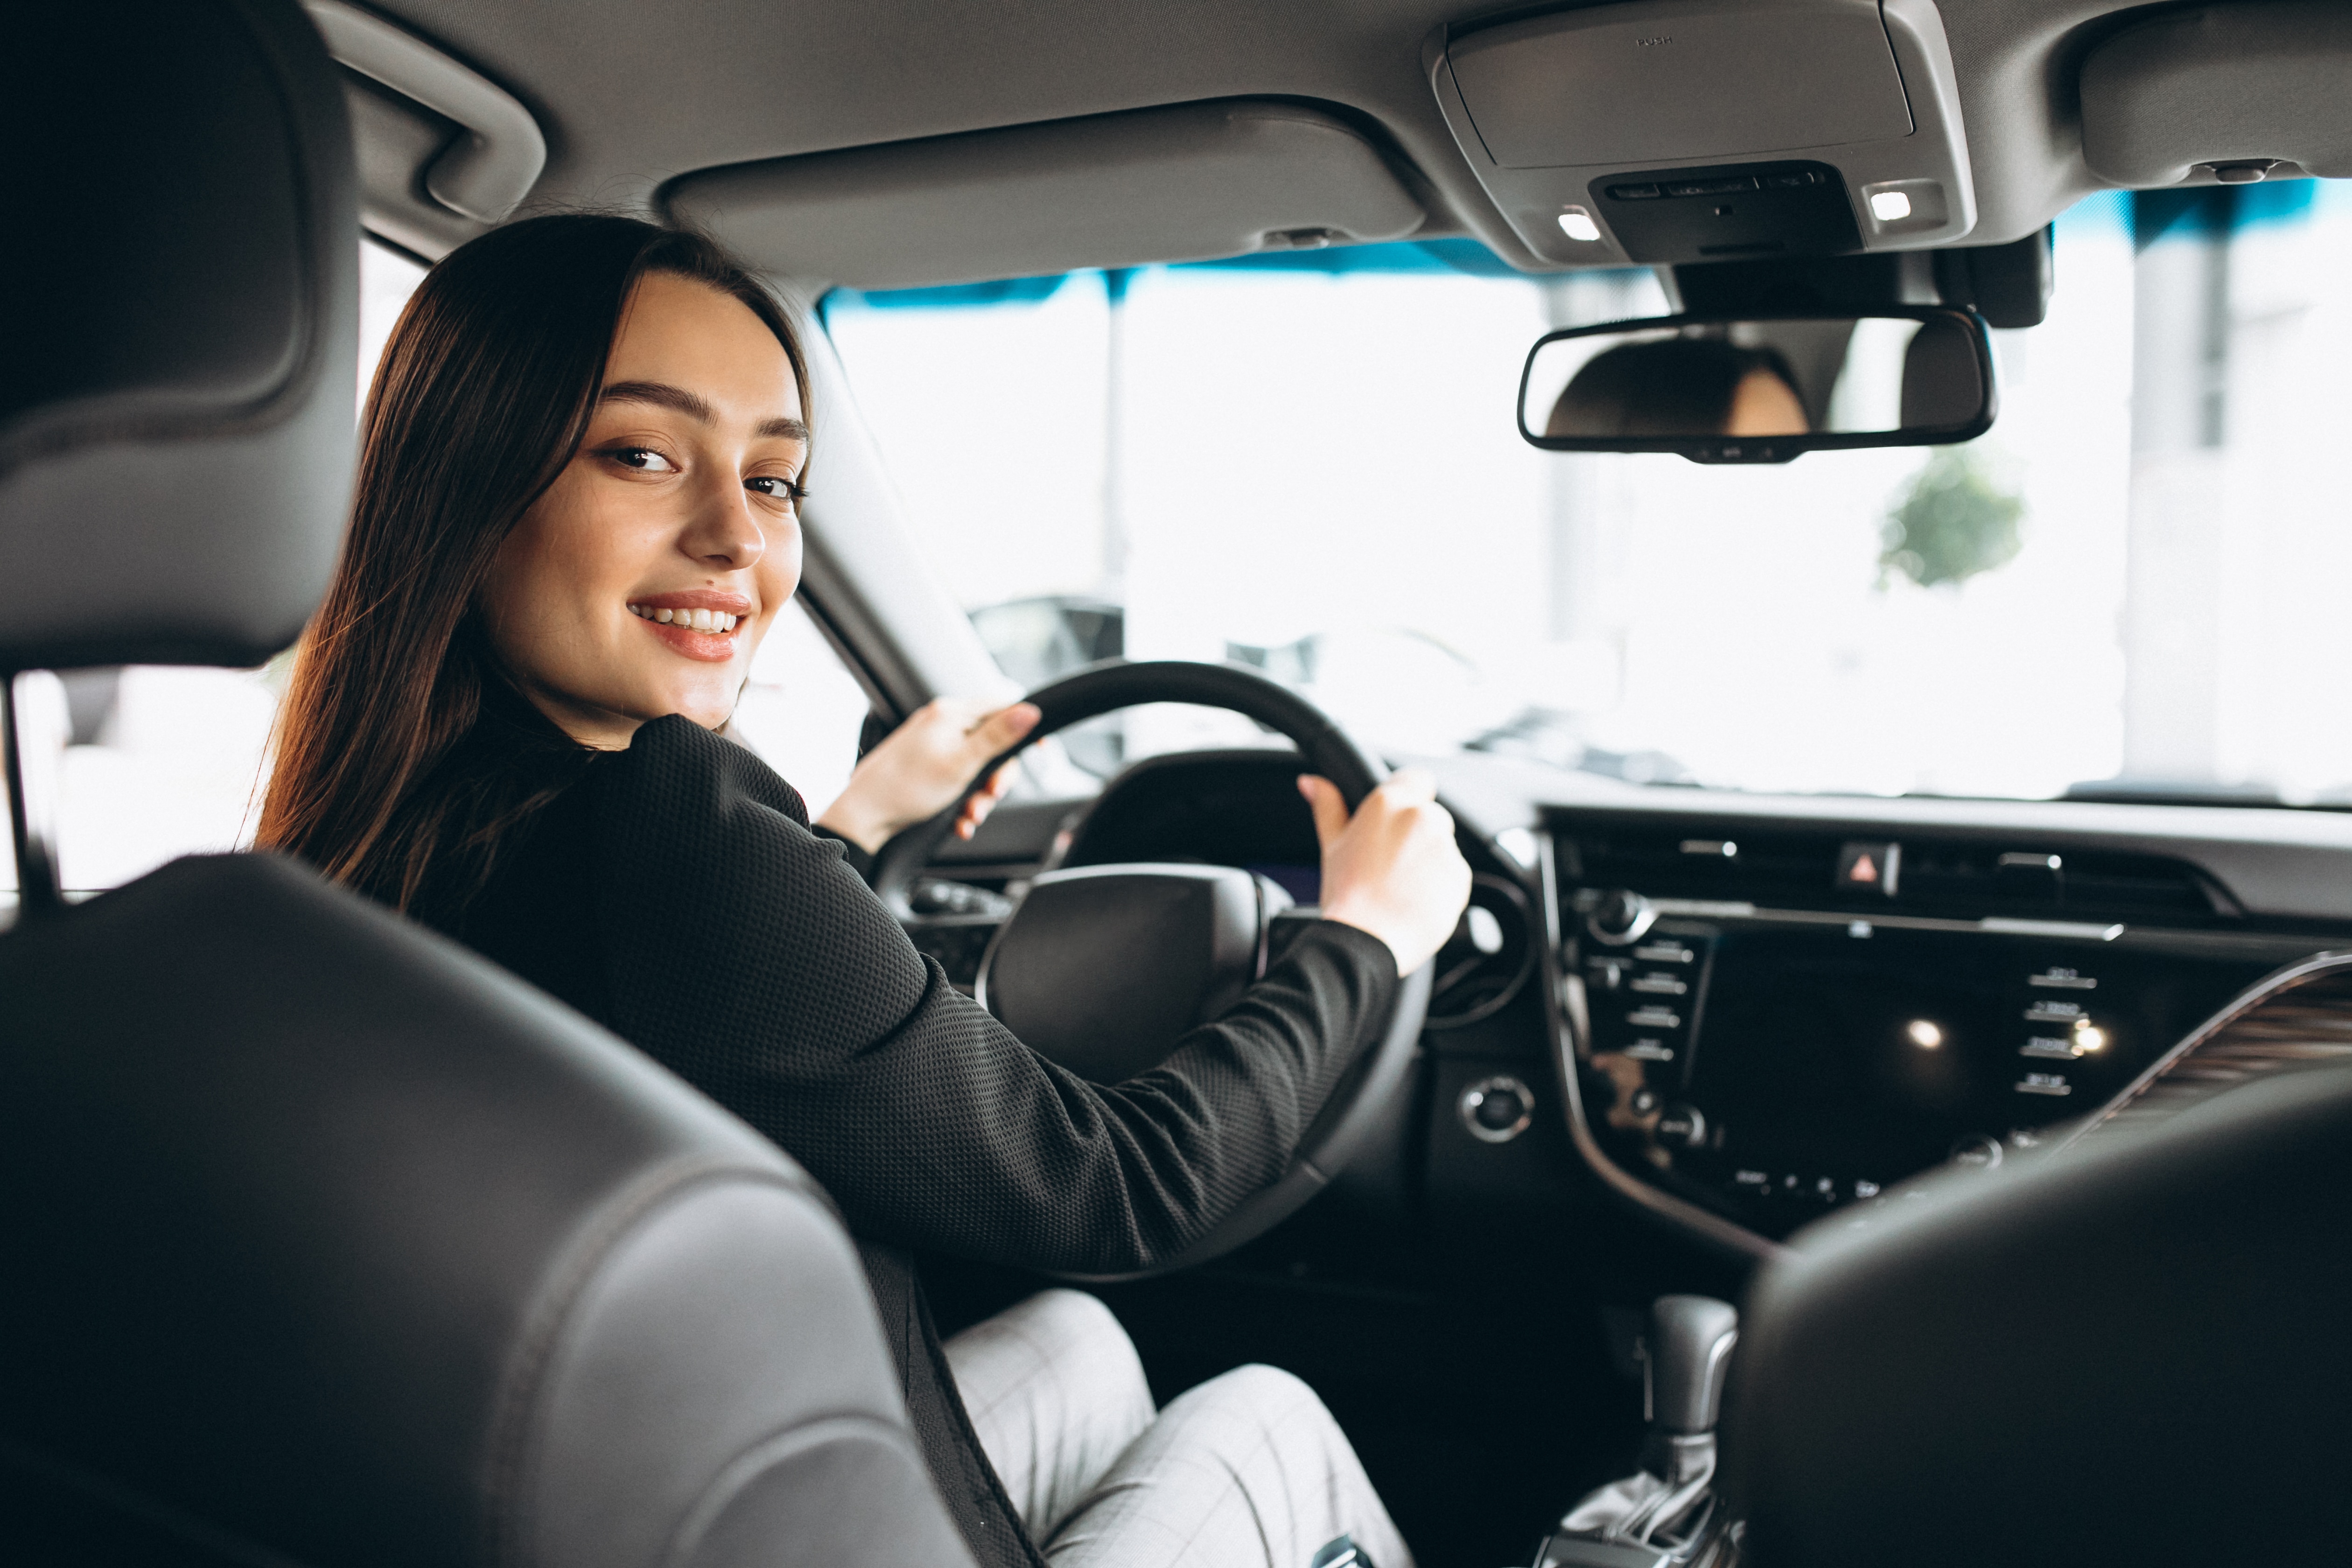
(1681,386)
(576,517)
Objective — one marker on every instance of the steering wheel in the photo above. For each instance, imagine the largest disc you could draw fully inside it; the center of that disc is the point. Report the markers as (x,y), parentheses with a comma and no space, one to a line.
(1102,968)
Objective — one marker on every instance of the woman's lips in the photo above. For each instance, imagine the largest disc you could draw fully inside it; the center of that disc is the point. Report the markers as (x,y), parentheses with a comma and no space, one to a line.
(710,647)
(701,624)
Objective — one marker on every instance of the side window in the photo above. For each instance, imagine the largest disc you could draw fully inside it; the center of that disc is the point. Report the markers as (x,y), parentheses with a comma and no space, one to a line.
(386,280)
(801,709)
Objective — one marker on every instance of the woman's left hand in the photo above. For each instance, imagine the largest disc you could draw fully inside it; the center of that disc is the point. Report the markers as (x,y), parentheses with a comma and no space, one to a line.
(923,766)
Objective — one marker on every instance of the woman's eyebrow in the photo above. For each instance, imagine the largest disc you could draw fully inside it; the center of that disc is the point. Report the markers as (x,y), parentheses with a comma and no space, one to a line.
(663,396)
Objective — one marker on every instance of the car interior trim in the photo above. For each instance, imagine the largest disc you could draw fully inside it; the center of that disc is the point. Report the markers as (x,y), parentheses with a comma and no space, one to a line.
(2292,977)
(1987,925)
(34,728)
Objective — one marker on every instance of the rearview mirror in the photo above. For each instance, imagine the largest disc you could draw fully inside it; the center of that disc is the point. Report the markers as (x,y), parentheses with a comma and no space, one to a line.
(1760,389)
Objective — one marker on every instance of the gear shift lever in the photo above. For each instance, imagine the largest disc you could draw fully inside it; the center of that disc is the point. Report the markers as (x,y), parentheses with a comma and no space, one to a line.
(1659,1516)
(1684,1359)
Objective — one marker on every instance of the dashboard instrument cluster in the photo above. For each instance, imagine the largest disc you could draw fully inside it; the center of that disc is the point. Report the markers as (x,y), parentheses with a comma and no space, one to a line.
(1763,1028)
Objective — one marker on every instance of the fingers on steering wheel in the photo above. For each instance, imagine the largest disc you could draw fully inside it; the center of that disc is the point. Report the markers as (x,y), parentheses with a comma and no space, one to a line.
(1330,807)
(1411,786)
(993,733)
(981,801)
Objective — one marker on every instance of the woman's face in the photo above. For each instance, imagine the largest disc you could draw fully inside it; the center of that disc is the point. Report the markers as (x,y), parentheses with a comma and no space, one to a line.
(641,584)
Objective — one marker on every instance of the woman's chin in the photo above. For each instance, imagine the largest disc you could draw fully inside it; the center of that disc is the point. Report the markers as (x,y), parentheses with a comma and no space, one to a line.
(709,709)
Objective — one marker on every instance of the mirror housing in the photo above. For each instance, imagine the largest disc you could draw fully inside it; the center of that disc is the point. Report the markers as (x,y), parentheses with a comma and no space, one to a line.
(1757,389)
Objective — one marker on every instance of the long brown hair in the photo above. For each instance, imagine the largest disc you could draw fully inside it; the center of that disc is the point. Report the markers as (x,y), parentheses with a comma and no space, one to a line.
(483,397)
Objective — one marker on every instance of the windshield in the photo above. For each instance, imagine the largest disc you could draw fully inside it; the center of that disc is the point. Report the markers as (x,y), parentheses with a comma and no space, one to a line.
(2128,589)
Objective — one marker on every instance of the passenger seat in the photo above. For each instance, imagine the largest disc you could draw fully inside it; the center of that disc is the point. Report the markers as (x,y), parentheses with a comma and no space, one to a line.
(326,1243)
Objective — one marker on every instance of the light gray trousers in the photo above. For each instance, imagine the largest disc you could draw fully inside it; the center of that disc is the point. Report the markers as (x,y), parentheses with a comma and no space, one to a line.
(1248,1470)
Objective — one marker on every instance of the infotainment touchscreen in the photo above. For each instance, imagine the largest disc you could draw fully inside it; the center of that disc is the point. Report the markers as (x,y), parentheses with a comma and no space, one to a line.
(1774,1071)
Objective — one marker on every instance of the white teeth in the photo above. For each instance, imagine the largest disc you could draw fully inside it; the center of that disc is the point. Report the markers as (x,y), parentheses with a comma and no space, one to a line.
(699,620)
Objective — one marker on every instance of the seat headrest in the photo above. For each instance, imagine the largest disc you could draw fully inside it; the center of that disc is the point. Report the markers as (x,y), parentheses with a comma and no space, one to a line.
(1941,383)
(180,314)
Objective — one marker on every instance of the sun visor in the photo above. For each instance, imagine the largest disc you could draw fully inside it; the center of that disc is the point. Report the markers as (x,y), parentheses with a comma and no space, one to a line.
(1682,130)
(2233,94)
(1189,182)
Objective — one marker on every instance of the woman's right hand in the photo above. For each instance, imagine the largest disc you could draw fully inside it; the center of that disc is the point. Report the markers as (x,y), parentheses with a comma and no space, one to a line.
(1393,868)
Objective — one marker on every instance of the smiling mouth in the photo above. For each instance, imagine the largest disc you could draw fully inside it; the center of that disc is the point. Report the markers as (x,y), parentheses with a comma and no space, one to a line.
(714,621)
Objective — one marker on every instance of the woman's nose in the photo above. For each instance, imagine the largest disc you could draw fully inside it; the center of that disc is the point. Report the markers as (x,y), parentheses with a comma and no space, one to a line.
(724,532)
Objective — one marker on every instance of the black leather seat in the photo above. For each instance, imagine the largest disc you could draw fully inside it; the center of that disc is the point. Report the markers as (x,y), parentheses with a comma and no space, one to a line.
(326,1243)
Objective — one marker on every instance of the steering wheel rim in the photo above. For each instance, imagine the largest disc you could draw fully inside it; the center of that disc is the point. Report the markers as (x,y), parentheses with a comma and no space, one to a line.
(1352,1113)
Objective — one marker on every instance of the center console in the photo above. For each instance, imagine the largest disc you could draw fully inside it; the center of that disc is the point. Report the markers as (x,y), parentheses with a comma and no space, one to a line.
(1761,1028)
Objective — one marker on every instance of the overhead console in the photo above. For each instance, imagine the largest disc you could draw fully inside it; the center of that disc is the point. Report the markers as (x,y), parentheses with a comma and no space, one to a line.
(1758,1026)
(1686,130)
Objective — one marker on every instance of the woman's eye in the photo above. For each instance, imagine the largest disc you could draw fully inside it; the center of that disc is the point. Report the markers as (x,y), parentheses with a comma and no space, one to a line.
(640,460)
(780,488)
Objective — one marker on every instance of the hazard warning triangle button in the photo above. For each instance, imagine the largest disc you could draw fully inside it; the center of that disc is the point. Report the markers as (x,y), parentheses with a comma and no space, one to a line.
(1873,867)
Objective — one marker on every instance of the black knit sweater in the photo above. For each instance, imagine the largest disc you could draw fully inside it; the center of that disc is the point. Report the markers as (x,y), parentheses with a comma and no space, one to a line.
(675,894)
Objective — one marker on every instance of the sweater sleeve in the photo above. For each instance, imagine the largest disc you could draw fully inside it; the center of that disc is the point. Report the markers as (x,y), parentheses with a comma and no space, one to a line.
(859,862)
(745,955)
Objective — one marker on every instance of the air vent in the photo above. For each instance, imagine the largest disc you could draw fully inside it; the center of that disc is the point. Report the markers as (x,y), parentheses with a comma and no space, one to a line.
(1489,959)
(1967,878)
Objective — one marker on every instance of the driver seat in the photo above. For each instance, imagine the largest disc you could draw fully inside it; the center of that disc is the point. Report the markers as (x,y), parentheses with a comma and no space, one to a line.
(328,1242)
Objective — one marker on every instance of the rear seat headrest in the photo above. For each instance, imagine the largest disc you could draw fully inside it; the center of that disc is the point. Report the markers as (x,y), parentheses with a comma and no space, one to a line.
(179,303)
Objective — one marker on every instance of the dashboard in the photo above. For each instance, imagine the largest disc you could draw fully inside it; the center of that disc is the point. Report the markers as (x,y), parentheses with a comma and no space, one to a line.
(1741,1015)
(1764,1025)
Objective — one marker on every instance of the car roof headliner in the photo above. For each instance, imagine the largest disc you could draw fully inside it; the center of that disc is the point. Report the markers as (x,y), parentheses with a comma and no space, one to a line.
(633,95)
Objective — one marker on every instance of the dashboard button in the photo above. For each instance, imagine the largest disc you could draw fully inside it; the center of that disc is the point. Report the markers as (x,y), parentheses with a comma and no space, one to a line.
(1685,1126)
(1650,1051)
(1869,867)
(1659,985)
(1621,917)
(1977,1151)
(2057,979)
(2052,1047)
(1496,1110)
(2055,1011)
(1654,1018)
(1720,188)
(1664,953)
(2049,1083)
